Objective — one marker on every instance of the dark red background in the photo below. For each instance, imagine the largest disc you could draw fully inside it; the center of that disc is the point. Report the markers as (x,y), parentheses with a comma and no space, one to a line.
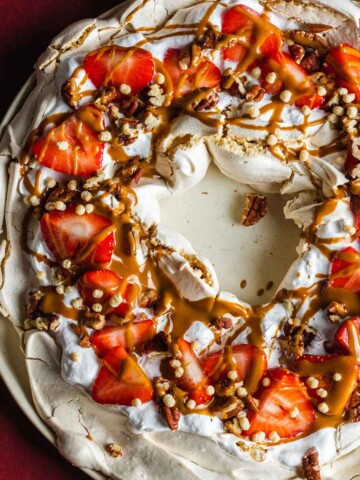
(26,28)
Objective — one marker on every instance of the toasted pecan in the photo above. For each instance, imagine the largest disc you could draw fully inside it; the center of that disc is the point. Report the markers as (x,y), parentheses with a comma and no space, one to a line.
(207,103)
(310,465)
(336,311)
(130,105)
(307,39)
(256,208)
(297,52)
(105,95)
(296,337)
(232,408)
(311,62)
(156,346)
(255,94)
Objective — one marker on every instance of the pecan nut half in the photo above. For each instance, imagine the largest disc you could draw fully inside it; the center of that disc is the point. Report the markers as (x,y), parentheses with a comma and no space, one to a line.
(297,52)
(354,408)
(70,95)
(232,408)
(157,346)
(256,207)
(311,63)
(172,416)
(130,106)
(296,337)
(310,465)
(255,94)
(336,311)
(307,39)
(105,95)
(208,103)
(33,307)
(80,330)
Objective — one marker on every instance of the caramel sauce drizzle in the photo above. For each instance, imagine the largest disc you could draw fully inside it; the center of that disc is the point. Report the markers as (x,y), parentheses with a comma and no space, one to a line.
(149,275)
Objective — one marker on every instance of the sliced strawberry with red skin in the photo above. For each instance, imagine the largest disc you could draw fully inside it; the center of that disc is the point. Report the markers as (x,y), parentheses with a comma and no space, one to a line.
(114,65)
(288,70)
(285,393)
(270,88)
(343,62)
(236,21)
(350,163)
(312,101)
(233,21)
(342,335)
(324,381)
(110,284)
(127,337)
(82,238)
(205,75)
(248,360)
(72,147)
(120,380)
(323,368)
(295,79)
(345,270)
(194,379)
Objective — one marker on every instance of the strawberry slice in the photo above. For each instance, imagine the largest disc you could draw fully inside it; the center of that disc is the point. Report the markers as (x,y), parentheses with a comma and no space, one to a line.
(127,337)
(285,394)
(270,88)
(312,101)
(343,62)
(342,334)
(82,238)
(345,270)
(323,368)
(205,75)
(120,380)
(110,284)
(324,381)
(294,78)
(114,65)
(248,360)
(73,146)
(194,379)
(350,163)
(239,20)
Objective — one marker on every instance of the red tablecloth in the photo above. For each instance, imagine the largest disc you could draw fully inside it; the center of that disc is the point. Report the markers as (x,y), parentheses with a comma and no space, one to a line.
(26,28)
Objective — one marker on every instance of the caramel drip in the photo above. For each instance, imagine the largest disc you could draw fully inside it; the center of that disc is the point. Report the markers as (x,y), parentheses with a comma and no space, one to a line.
(33,189)
(94,241)
(76,87)
(52,302)
(340,392)
(260,31)
(205,19)
(24,240)
(186,103)
(168,84)
(129,235)
(117,153)
(161,37)
(134,12)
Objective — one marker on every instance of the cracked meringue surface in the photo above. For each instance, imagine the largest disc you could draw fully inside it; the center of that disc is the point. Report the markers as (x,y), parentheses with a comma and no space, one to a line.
(238,144)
